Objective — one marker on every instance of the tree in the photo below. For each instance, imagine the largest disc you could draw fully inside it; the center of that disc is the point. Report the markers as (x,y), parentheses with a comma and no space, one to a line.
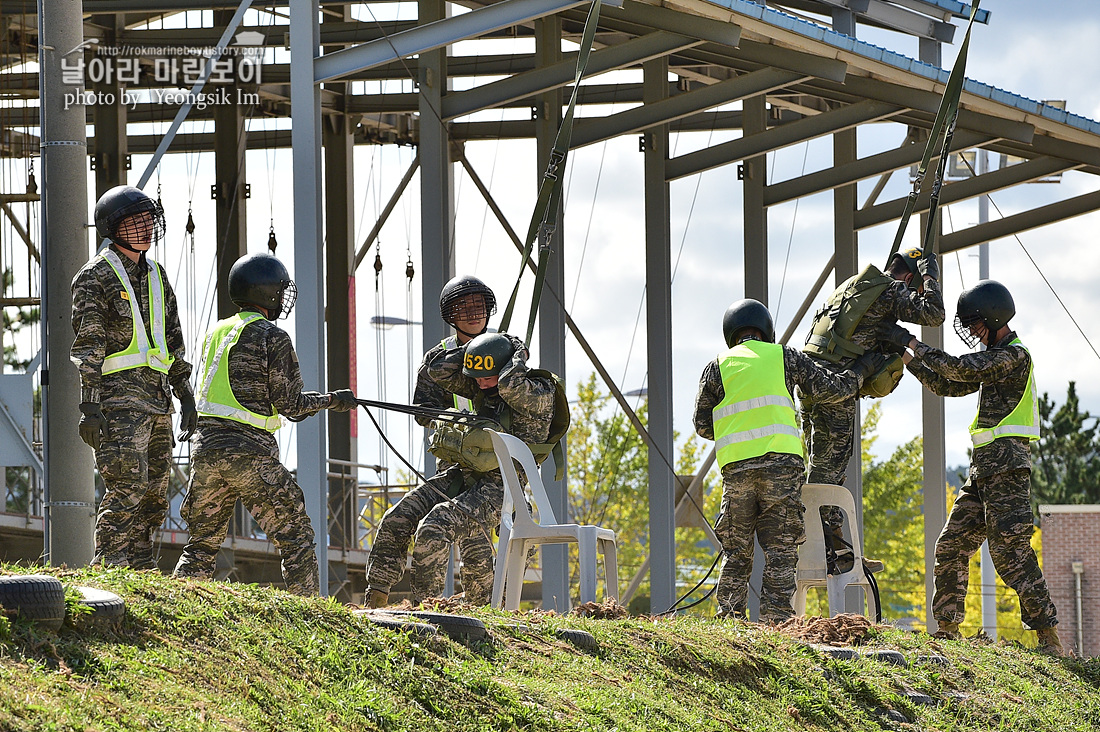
(1066,467)
(17,481)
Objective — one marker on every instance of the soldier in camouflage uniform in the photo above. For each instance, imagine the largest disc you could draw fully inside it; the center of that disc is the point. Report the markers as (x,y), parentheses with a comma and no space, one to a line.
(830,426)
(745,404)
(465,303)
(995,502)
(249,377)
(461,503)
(129,349)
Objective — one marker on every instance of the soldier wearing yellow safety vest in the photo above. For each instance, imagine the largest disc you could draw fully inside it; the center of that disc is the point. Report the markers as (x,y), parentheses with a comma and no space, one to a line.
(465,303)
(995,502)
(746,405)
(248,380)
(130,354)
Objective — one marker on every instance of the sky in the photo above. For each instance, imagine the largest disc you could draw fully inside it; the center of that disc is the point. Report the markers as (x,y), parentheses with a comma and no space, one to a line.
(1040,51)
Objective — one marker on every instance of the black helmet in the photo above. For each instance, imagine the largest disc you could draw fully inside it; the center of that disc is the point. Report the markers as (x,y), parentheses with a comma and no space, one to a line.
(747,313)
(909,258)
(458,288)
(487,355)
(113,214)
(261,279)
(988,302)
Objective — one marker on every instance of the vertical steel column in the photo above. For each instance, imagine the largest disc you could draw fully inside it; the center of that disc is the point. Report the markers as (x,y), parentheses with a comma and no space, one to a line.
(989,574)
(436,187)
(70,492)
(309,322)
(755,120)
(658,276)
(555,557)
(109,143)
(846,252)
(933,430)
(230,143)
(339,150)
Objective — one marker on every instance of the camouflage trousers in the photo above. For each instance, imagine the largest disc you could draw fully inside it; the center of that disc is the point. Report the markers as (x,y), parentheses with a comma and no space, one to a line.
(997,508)
(426,517)
(134,459)
(268,491)
(767,503)
(830,432)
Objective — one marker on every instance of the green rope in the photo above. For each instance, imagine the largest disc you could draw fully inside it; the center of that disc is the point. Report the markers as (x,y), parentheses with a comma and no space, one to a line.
(549,198)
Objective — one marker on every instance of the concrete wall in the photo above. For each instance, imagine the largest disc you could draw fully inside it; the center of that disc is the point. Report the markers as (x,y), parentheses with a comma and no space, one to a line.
(1072,534)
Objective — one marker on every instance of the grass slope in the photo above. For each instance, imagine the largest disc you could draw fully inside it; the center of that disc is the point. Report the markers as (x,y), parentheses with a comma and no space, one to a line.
(216,656)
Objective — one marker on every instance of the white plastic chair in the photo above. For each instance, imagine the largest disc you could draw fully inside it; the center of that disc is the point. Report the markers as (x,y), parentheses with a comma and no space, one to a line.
(518,535)
(812,568)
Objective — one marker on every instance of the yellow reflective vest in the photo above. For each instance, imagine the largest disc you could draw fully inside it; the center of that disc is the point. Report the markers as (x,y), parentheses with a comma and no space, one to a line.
(757,414)
(141,352)
(1022,421)
(215,394)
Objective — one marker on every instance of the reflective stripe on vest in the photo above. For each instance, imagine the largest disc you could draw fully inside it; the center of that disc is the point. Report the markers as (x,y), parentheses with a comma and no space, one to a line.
(140,352)
(215,395)
(462,404)
(1023,421)
(757,414)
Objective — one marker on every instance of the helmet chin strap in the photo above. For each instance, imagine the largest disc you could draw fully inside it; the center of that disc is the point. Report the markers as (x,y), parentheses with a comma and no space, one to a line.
(123,245)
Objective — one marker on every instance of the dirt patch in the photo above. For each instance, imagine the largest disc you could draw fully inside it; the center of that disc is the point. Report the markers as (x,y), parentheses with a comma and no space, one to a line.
(607,610)
(846,629)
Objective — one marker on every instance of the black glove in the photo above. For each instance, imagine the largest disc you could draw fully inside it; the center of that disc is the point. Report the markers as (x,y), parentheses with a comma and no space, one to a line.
(868,364)
(894,334)
(342,400)
(929,267)
(93,425)
(189,417)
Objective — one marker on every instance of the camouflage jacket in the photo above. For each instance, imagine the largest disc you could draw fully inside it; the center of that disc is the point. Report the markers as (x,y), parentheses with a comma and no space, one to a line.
(263,372)
(531,398)
(104,325)
(1000,374)
(800,370)
(427,392)
(898,302)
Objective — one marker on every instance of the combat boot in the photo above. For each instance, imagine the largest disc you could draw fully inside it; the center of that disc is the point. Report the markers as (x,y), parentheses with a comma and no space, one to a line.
(377,598)
(948,631)
(1051,644)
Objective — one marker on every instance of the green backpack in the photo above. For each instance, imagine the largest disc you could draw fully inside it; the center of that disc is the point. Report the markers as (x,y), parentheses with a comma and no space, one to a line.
(836,321)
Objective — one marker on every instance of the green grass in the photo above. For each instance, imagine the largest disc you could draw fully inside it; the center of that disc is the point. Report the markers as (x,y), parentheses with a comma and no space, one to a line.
(216,656)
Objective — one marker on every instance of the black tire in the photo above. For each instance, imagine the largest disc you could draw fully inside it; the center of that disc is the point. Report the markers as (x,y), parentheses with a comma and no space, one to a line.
(579,638)
(458,627)
(38,597)
(392,622)
(104,605)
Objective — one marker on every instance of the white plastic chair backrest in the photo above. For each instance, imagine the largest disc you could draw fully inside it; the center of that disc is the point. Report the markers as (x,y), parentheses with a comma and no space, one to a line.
(816,495)
(506,448)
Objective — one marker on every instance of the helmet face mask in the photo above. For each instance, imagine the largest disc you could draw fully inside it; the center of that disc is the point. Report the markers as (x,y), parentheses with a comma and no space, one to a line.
(457,306)
(130,218)
(261,280)
(988,303)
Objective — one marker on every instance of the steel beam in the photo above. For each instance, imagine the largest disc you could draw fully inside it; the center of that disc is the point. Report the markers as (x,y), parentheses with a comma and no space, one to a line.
(436,35)
(755,214)
(777,137)
(386,211)
(437,213)
(863,168)
(230,177)
(654,16)
(70,491)
(309,266)
(899,19)
(551,338)
(658,268)
(682,105)
(967,188)
(555,76)
(1024,221)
